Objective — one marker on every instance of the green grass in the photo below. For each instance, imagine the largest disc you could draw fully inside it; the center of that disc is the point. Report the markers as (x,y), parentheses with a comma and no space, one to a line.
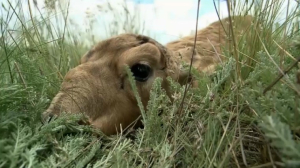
(226,122)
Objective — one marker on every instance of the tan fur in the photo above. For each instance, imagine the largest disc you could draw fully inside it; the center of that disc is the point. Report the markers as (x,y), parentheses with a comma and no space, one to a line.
(210,42)
(99,86)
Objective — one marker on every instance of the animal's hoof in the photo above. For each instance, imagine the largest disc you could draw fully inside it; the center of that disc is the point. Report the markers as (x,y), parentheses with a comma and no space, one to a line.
(47,117)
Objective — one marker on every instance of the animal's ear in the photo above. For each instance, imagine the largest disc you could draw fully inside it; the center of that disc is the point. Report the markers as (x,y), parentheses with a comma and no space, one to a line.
(179,62)
(86,56)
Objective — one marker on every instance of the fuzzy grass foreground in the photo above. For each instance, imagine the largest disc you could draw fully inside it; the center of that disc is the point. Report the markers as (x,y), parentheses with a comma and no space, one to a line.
(212,132)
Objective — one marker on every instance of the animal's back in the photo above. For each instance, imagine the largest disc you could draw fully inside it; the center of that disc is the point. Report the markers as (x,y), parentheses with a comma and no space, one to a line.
(210,42)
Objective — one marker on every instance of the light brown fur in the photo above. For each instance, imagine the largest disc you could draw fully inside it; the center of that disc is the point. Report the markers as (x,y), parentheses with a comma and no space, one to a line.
(99,86)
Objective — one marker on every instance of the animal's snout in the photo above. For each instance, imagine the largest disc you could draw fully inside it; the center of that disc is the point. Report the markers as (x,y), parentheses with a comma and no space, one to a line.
(76,94)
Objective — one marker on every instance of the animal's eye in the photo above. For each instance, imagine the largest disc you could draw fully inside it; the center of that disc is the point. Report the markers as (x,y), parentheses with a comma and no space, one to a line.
(141,72)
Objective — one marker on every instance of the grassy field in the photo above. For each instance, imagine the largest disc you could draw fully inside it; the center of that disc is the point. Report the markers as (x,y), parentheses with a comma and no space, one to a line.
(228,121)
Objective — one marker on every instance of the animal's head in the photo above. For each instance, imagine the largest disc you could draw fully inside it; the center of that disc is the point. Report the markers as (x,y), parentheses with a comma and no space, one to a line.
(99,86)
